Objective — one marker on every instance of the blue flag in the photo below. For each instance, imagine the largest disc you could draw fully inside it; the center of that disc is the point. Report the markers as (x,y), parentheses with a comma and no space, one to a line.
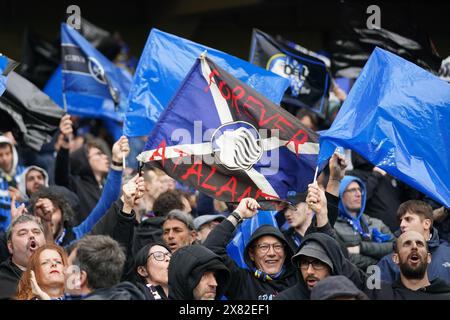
(93,85)
(6,66)
(225,139)
(165,62)
(396,116)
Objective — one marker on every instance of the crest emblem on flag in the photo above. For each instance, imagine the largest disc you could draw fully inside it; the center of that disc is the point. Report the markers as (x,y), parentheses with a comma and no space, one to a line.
(249,146)
(237,145)
(96,70)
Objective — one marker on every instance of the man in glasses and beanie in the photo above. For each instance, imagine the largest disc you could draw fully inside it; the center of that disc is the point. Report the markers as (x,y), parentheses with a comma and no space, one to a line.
(319,256)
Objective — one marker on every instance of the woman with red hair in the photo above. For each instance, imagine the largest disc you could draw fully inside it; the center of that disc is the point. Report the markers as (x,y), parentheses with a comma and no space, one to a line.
(44,277)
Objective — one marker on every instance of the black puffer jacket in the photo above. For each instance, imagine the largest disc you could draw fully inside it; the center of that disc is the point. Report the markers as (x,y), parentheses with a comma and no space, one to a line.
(243,283)
(186,268)
(341,266)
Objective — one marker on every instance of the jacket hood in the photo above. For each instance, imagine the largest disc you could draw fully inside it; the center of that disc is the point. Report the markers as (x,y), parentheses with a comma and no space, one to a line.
(121,291)
(187,266)
(268,230)
(344,184)
(434,241)
(12,173)
(331,247)
(22,180)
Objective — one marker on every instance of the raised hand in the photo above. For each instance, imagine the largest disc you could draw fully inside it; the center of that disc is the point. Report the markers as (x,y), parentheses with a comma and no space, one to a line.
(15,212)
(133,190)
(36,289)
(247,208)
(317,202)
(120,149)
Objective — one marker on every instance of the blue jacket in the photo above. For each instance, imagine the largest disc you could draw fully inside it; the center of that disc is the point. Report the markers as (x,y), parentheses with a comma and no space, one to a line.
(438,268)
(110,194)
(5,199)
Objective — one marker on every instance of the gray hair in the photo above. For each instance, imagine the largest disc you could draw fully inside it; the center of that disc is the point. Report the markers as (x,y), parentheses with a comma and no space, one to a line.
(181,216)
(102,258)
(22,219)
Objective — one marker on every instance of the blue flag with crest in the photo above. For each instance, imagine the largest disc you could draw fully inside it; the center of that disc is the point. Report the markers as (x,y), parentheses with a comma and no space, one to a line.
(92,84)
(225,139)
(166,60)
(396,116)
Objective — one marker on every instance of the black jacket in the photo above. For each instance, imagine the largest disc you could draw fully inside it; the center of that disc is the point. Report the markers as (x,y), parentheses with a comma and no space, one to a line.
(187,266)
(77,176)
(243,283)
(437,290)
(9,279)
(148,231)
(341,266)
(157,294)
(121,291)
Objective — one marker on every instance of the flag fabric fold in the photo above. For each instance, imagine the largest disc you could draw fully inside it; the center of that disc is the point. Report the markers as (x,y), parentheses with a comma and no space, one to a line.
(30,114)
(308,75)
(164,63)
(396,116)
(225,139)
(92,85)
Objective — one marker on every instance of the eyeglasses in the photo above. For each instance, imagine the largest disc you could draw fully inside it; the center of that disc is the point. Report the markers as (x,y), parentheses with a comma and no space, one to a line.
(159,255)
(264,247)
(316,264)
(353,190)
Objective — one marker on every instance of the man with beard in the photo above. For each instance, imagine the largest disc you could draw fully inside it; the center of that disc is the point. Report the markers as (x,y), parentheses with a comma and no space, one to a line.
(417,216)
(412,256)
(24,236)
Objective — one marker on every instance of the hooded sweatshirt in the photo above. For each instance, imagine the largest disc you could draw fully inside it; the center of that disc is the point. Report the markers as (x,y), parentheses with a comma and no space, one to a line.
(437,290)
(22,183)
(372,236)
(186,268)
(251,284)
(438,268)
(8,179)
(341,266)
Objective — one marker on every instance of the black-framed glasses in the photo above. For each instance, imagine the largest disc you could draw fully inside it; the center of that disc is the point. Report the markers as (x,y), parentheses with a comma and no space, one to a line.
(264,247)
(316,264)
(159,255)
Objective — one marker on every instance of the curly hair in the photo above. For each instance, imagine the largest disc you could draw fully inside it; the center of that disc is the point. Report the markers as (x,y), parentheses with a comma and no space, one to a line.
(24,291)
(58,200)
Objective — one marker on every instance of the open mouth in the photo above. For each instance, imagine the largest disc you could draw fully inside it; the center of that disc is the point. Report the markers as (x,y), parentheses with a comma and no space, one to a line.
(172,245)
(311,282)
(414,258)
(33,245)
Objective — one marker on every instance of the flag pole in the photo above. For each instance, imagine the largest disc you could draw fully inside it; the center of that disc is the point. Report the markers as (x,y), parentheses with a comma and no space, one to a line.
(315,174)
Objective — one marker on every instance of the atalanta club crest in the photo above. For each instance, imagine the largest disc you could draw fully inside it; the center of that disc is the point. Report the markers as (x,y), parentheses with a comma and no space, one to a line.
(237,145)
(96,70)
